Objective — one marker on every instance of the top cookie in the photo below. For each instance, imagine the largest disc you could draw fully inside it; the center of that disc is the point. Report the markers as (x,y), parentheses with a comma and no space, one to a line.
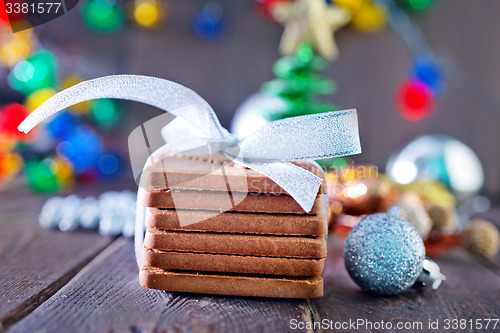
(215,173)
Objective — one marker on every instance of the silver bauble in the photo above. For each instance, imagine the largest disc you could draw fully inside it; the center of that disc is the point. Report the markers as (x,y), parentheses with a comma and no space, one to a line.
(251,115)
(411,209)
(441,158)
(384,254)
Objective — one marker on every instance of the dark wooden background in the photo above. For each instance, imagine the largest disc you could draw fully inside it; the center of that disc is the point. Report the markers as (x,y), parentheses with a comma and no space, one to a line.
(463,33)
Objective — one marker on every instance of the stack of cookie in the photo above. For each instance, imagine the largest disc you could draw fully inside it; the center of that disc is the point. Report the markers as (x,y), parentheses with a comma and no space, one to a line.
(216,227)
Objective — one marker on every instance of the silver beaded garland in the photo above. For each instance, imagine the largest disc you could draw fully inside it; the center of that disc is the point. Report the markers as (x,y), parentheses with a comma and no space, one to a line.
(113,213)
(384,254)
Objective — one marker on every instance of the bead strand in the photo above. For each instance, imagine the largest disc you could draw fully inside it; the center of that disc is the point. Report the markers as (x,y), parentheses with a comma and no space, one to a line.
(112,214)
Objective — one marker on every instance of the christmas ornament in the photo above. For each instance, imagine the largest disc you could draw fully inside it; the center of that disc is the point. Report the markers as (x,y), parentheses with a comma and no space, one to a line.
(385,255)
(357,190)
(438,202)
(438,157)
(481,238)
(253,113)
(311,21)
(431,192)
(443,218)
(410,208)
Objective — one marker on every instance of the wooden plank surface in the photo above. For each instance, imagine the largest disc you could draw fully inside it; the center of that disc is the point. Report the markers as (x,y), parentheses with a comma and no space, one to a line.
(470,291)
(106,297)
(35,263)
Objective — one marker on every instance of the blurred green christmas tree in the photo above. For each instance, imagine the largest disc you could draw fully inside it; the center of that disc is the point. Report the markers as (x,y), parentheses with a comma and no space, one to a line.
(298,84)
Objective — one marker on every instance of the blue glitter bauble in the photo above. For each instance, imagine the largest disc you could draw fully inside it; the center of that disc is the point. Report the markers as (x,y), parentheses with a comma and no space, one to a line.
(384,254)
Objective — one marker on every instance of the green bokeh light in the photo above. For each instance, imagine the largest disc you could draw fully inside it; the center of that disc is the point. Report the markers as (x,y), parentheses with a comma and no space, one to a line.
(40,177)
(416,5)
(298,84)
(36,72)
(339,163)
(103,15)
(305,54)
(106,113)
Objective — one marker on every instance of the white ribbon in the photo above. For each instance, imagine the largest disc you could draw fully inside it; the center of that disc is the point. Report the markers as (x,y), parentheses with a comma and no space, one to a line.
(268,150)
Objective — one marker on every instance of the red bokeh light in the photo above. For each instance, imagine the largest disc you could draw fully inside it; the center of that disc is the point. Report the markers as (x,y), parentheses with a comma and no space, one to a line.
(12,17)
(267,6)
(4,19)
(10,118)
(415,100)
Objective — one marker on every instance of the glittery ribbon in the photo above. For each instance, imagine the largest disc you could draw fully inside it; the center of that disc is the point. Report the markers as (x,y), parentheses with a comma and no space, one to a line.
(268,150)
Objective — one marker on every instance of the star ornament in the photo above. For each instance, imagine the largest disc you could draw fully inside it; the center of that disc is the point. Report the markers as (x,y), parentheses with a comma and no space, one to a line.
(312,21)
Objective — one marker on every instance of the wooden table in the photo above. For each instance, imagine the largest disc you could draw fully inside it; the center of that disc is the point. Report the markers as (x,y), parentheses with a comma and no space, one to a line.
(52,281)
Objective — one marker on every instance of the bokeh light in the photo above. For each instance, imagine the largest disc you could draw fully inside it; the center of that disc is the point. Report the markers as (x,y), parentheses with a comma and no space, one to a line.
(108,164)
(103,15)
(106,113)
(10,118)
(427,71)
(147,13)
(209,24)
(416,5)
(369,18)
(36,98)
(415,100)
(36,72)
(40,176)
